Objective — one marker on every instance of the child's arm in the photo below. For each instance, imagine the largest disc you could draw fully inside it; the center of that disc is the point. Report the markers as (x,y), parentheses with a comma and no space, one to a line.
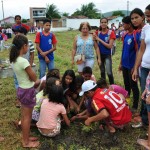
(51,50)
(66,119)
(144,94)
(81,102)
(31,73)
(31,58)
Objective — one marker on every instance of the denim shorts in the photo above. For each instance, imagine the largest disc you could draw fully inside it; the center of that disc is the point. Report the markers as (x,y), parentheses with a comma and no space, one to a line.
(27,96)
(148,107)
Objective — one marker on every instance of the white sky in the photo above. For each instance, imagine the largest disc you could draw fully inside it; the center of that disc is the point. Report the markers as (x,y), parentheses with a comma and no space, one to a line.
(21,7)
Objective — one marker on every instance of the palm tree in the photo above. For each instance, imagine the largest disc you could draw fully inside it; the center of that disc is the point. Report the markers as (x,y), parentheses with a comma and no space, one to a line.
(52,12)
(88,10)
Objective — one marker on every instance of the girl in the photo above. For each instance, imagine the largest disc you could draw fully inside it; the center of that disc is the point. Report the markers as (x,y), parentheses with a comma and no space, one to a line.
(49,123)
(25,92)
(19,24)
(83,46)
(138,20)
(41,95)
(105,38)
(68,84)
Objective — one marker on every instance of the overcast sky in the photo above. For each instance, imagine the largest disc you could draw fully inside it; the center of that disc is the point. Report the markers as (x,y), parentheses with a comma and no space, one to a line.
(21,7)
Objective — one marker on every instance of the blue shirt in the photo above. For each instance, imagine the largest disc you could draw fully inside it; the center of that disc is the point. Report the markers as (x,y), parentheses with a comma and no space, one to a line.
(45,45)
(138,38)
(128,51)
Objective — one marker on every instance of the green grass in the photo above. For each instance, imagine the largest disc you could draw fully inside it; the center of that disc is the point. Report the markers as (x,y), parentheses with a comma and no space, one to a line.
(77,135)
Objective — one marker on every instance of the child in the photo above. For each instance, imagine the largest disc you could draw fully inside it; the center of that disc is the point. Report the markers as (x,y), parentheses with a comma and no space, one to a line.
(146,96)
(68,84)
(2,35)
(41,95)
(87,74)
(127,61)
(29,55)
(19,24)
(25,92)
(49,123)
(45,45)
(101,83)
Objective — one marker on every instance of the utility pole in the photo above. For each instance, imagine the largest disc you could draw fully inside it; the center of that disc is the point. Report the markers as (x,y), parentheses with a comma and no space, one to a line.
(127,7)
(3,11)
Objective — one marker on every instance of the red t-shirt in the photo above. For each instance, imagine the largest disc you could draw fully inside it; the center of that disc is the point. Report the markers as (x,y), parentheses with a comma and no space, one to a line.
(117,107)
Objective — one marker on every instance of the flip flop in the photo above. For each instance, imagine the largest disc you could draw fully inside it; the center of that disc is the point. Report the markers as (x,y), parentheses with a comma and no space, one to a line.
(32,144)
(143,143)
(32,138)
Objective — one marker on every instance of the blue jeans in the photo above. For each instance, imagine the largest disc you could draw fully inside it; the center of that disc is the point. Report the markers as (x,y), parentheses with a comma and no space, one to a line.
(107,61)
(43,65)
(143,113)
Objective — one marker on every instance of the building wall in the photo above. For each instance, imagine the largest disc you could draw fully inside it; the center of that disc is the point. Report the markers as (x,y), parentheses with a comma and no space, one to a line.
(115,21)
(75,23)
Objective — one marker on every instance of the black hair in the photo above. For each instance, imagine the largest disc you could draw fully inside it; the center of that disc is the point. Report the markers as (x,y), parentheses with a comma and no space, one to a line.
(127,20)
(148,7)
(53,73)
(46,20)
(18,42)
(79,81)
(137,11)
(87,69)
(72,84)
(49,82)
(100,28)
(17,16)
(20,30)
(101,83)
(56,94)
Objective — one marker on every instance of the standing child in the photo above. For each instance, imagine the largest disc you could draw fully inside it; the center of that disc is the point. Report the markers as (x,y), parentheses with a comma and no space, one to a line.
(127,61)
(19,24)
(25,92)
(2,35)
(45,45)
(105,39)
(49,123)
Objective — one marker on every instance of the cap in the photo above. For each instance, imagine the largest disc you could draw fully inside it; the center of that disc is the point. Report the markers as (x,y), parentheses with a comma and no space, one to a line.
(87,86)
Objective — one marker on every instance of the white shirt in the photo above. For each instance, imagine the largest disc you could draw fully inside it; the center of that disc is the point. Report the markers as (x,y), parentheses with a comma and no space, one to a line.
(145,35)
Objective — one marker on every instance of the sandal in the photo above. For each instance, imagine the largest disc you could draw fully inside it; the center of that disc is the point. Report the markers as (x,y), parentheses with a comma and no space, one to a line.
(31,144)
(32,138)
(137,125)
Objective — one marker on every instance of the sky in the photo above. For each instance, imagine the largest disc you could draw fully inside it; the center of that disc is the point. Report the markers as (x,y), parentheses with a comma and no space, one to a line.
(21,7)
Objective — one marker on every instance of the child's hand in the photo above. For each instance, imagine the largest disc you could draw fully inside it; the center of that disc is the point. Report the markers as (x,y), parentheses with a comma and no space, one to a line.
(148,100)
(47,60)
(37,83)
(73,118)
(87,122)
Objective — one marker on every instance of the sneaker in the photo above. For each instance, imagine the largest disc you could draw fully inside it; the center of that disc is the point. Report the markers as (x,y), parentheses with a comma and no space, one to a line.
(137,125)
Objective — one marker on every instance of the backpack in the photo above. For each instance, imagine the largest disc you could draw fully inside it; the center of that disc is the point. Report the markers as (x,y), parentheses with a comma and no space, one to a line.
(134,37)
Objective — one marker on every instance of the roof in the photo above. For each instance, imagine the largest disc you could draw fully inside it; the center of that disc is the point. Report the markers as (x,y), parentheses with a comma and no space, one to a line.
(8,18)
(112,17)
(77,17)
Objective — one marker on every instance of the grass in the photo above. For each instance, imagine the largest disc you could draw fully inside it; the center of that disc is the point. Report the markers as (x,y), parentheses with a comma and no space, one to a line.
(77,137)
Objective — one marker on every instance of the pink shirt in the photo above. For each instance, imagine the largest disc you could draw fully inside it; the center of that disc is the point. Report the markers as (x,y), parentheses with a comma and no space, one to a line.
(118,89)
(49,114)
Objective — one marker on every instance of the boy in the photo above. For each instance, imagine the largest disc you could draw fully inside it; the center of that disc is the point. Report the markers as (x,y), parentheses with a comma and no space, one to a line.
(87,74)
(108,106)
(45,45)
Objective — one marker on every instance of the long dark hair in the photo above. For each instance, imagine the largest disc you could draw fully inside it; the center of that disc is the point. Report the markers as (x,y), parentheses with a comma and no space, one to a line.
(56,94)
(72,84)
(49,83)
(18,42)
(148,7)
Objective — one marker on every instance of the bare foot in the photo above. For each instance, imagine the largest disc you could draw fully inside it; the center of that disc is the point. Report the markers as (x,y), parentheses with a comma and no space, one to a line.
(1,138)
(143,143)
(111,129)
(31,144)
(32,138)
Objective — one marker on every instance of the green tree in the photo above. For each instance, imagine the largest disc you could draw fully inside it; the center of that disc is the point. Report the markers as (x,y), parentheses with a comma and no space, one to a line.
(88,10)
(52,11)
(24,20)
(65,14)
(118,13)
